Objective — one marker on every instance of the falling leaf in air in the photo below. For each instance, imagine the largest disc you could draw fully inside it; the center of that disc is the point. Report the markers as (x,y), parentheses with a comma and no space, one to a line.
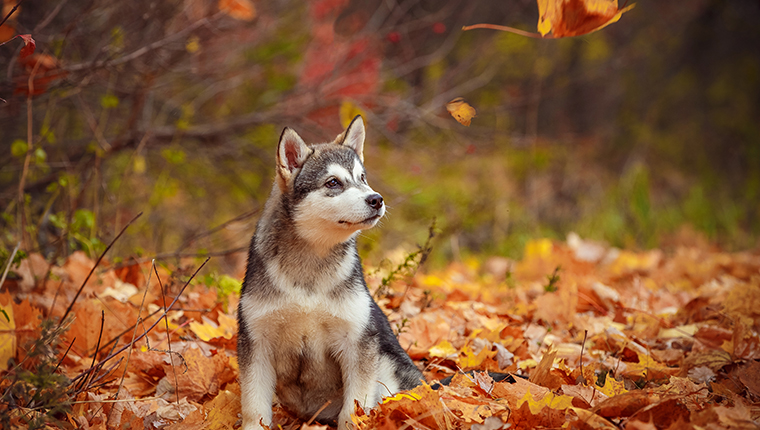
(461,111)
(238,9)
(29,46)
(567,18)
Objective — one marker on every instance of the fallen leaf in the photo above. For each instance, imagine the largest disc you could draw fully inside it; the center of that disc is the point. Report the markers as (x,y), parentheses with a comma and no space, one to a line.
(7,330)
(209,330)
(461,111)
(612,387)
(204,375)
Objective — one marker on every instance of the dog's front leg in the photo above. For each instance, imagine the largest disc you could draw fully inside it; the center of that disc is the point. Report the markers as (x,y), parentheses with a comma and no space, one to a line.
(358,362)
(257,385)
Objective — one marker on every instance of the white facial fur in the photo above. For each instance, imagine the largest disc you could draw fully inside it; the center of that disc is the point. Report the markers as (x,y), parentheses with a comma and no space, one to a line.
(324,220)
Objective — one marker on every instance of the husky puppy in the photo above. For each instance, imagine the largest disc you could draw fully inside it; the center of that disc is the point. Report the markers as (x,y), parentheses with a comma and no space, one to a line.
(309,330)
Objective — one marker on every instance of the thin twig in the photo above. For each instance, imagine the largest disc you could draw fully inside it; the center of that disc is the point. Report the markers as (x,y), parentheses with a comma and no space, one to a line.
(168,335)
(580,359)
(128,329)
(134,333)
(89,377)
(313,417)
(122,349)
(64,354)
(29,149)
(11,12)
(145,49)
(221,226)
(8,266)
(71,305)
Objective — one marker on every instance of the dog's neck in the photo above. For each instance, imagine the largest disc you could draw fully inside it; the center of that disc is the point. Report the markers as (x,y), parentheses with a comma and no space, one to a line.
(295,259)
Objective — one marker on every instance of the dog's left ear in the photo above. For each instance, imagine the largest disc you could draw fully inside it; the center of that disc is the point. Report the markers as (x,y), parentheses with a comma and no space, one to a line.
(354,136)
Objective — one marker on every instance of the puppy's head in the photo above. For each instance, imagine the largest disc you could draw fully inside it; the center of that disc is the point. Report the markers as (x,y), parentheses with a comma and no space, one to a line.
(326,186)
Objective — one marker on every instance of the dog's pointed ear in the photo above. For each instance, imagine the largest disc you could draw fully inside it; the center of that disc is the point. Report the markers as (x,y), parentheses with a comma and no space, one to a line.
(354,136)
(292,152)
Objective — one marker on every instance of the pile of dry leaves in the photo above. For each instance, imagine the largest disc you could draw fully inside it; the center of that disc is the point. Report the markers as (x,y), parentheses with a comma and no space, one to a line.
(593,337)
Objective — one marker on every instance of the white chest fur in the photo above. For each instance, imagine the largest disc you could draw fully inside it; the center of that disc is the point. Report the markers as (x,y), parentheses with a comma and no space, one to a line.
(316,312)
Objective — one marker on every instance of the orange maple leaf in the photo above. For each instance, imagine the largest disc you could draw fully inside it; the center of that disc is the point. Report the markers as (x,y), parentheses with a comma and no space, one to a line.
(567,18)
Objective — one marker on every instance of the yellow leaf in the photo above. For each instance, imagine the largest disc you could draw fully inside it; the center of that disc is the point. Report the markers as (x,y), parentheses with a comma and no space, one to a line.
(7,331)
(461,111)
(222,410)
(649,368)
(549,400)
(208,330)
(443,350)
(471,360)
(538,248)
(678,332)
(612,387)
(238,9)
(403,396)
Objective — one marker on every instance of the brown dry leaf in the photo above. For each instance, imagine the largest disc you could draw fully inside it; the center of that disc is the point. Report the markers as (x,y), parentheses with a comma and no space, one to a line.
(86,326)
(626,404)
(204,375)
(461,111)
(567,18)
(749,374)
(243,10)
(421,405)
(222,410)
(540,375)
(713,359)
(662,414)
(648,368)
(737,417)
(586,419)
(591,396)
(746,341)
(531,414)
(28,320)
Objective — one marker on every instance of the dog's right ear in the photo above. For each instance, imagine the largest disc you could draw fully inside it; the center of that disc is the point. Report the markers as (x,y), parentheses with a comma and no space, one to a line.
(292,152)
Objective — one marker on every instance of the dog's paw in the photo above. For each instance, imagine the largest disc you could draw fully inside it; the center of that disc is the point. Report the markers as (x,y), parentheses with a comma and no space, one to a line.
(255,423)
(345,422)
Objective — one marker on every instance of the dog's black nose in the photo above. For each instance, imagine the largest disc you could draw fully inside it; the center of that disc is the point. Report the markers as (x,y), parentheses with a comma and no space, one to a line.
(375,201)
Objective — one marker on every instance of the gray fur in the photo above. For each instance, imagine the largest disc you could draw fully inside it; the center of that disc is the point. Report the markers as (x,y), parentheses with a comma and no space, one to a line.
(309,330)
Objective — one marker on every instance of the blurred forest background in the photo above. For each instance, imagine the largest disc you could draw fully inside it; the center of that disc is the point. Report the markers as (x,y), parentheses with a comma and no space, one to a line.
(643,134)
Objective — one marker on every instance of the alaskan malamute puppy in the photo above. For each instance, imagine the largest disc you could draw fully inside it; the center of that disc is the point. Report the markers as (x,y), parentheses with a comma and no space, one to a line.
(309,330)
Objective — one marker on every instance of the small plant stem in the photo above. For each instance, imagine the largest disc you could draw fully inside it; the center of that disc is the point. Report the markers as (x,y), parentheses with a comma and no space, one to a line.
(168,335)
(8,266)
(134,332)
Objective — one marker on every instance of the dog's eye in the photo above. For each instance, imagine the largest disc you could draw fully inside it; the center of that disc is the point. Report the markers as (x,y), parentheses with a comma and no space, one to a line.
(333,183)
(363,178)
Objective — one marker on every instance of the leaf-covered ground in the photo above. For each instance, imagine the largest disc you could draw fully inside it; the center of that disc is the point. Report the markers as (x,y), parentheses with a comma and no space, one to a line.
(593,337)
